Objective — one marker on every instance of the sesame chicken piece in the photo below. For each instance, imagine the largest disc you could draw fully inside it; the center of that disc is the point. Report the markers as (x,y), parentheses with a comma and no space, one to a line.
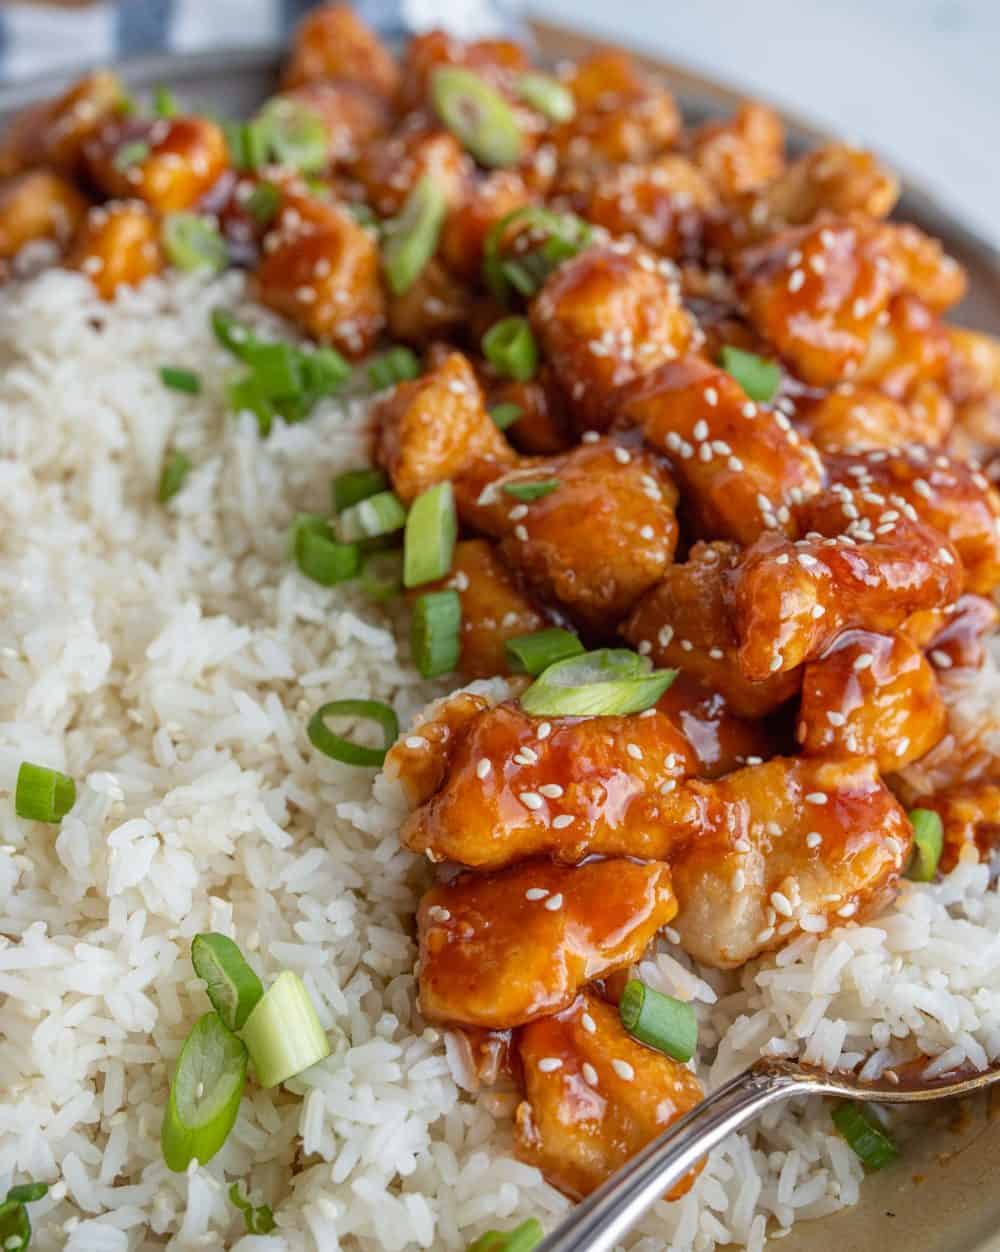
(817,293)
(434,428)
(332,42)
(37,205)
(864,419)
(420,760)
(320,269)
(437,305)
(788,600)
(543,427)
(908,346)
(594,1096)
(353,115)
(500,950)
(563,787)
(954,637)
(974,363)
(622,114)
(54,132)
(604,318)
(923,267)
(793,845)
(117,244)
(741,465)
(392,165)
(721,741)
(684,622)
(871,695)
(488,199)
(170,163)
(661,204)
(604,535)
(742,153)
(946,494)
(498,61)
(494,609)
(970,815)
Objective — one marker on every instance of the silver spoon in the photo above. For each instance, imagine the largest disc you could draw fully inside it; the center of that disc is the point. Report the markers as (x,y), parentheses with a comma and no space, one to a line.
(601,1221)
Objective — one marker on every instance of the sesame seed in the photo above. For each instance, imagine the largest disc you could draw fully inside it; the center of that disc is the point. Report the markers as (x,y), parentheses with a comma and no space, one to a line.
(782,559)
(549,1064)
(835,718)
(817,611)
(589,1073)
(847,910)
(749,409)
(946,556)
(588,1023)
(647,532)
(622,456)
(634,751)
(531,799)
(766,934)
(483,768)
(554,903)
(623,1069)
(806,561)
(864,660)
(535,893)
(562,821)
(665,635)
(700,431)
(797,280)
(437,914)
(519,511)
(742,844)
(416,741)
(735,464)
(716,654)
(781,903)
(589,436)
(668,785)
(711,396)
(941,659)
(551,791)
(544,730)
(902,746)
(817,797)
(813,839)
(644,647)
(520,533)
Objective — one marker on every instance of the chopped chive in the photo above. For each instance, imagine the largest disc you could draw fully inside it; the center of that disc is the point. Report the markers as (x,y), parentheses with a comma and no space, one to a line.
(249,144)
(510,348)
(176,468)
(758,377)
(522,1238)
(382,575)
(192,242)
(531,654)
(320,557)
(395,366)
(355,485)
(381,514)
(566,235)
(296,135)
(263,203)
(548,95)
(477,115)
(204,1094)
(340,749)
(258,1218)
(608,682)
(180,380)
(659,1021)
(431,530)
(132,153)
(42,794)
(928,844)
(27,1193)
(864,1135)
(410,240)
(164,102)
(15,1225)
(283,1034)
(245,395)
(505,415)
(435,632)
(532,491)
(231,984)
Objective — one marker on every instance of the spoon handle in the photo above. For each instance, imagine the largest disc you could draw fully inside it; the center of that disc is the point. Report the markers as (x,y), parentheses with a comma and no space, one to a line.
(601,1220)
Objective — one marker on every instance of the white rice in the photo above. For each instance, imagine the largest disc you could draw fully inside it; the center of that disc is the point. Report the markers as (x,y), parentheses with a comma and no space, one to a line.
(168,659)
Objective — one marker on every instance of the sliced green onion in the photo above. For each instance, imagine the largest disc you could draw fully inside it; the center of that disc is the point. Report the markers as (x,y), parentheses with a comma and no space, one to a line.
(758,377)
(363,215)
(659,1021)
(230,331)
(258,1218)
(175,470)
(353,486)
(566,232)
(296,135)
(42,794)
(431,530)
(548,95)
(864,1135)
(392,367)
(193,243)
(15,1226)
(510,348)
(249,144)
(382,575)
(230,983)
(381,514)
(477,115)
(180,380)
(204,1095)
(435,632)
(27,1193)
(318,554)
(522,1238)
(132,153)
(532,491)
(164,102)
(343,750)
(410,240)
(534,653)
(245,395)
(283,1034)
(610,681)
(505,415)
(263,203)
(928,844)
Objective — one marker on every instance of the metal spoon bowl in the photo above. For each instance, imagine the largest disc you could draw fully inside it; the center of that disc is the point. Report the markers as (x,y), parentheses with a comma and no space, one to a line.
(601,1221)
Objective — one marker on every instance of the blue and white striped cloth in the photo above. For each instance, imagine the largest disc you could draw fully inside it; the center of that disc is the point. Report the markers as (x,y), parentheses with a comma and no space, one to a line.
(38,38)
